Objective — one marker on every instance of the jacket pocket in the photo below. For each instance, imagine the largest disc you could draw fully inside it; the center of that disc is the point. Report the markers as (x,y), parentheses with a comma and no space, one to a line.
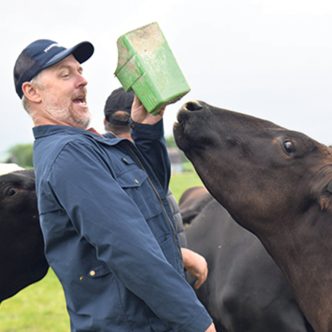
(96,294)
(98,272)
(136,184)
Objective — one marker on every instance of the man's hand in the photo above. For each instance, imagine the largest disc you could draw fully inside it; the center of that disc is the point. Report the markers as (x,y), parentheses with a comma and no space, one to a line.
(140,115)
(196,265)
(211,328)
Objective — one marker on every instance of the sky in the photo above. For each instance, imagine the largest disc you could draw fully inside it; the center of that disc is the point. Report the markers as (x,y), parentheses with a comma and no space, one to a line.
(268,58)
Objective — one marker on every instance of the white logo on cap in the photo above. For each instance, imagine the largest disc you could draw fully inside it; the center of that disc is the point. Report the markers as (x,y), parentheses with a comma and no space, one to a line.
(51,46)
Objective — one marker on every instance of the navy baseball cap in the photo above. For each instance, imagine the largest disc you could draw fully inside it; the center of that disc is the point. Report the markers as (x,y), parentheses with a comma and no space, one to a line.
(118,100)
(42,54)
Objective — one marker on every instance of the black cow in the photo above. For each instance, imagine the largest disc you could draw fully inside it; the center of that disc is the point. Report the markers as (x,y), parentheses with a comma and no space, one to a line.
(245,290)
(22,257)
(192,201)
(275,182)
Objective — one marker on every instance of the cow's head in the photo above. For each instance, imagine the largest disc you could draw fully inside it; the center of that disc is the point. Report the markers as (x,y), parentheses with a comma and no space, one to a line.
(254,167)
(22,257)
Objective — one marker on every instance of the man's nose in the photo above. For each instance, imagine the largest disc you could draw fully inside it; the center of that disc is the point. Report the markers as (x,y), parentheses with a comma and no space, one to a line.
(81,80)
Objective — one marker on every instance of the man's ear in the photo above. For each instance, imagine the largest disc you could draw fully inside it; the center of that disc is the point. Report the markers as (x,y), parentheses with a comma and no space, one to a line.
(30,92)
(106,124)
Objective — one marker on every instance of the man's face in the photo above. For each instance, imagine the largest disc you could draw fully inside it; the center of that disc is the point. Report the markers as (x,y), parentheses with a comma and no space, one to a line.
(62,89)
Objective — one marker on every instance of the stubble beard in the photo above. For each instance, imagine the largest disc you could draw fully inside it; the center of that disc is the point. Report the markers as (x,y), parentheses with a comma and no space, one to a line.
(68,116)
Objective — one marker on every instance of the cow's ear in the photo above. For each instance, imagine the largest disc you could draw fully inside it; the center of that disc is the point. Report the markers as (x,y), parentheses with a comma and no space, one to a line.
(325,200)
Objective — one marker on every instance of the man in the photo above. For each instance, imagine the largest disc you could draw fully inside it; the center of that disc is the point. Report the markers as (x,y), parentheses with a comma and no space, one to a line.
(103,212)
(117,111)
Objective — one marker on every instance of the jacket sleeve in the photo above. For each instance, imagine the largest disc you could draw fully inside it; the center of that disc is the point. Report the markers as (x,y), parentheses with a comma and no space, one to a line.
(107,218)
(150,141)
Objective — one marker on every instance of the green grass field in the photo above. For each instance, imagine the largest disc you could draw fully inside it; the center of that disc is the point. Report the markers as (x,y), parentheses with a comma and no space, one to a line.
(41,306)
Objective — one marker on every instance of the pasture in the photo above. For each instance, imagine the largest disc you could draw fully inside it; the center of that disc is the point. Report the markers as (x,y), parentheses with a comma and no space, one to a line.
(41,306)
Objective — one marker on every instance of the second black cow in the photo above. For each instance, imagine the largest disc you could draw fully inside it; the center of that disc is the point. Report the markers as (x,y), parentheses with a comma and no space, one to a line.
(245,290)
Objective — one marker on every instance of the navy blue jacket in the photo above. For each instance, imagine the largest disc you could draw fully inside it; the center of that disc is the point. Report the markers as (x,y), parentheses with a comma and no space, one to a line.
(108,231)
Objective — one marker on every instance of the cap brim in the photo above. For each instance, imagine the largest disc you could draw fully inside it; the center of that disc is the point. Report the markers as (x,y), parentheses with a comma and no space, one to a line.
(82,52)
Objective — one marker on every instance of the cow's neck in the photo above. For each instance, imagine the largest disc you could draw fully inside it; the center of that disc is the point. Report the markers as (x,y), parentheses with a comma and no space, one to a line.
(304,253)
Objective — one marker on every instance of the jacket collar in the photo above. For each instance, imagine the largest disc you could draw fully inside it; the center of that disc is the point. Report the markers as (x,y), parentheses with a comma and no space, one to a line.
(48,130)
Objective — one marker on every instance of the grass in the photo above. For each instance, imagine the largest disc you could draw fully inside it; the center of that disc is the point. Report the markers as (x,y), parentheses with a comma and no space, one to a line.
(37,308)
(41,307)
(181,181)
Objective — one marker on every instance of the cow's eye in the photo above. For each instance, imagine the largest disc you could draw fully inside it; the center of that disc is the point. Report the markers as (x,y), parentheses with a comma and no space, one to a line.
(10,192)
(289,146)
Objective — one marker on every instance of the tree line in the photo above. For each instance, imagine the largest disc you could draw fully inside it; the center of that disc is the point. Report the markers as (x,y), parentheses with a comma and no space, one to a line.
(22,154)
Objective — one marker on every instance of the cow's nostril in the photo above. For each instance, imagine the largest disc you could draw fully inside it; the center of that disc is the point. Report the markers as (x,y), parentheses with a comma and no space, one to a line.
(193,106)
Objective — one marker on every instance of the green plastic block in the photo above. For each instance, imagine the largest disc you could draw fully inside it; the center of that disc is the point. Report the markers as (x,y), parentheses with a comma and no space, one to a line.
(147,66)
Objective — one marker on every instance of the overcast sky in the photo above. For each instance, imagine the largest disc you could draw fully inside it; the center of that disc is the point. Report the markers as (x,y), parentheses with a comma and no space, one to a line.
(268,58)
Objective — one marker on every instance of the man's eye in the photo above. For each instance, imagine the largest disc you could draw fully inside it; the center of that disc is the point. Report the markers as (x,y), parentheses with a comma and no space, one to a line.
(64,74)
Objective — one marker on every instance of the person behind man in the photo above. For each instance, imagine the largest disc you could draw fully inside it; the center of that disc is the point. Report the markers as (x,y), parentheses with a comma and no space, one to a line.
(117,122)
(105,220)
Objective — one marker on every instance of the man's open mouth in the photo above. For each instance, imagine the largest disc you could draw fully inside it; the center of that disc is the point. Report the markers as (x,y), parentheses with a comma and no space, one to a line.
(80,100)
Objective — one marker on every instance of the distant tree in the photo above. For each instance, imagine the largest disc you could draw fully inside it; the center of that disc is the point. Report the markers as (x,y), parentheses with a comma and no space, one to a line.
(20,154)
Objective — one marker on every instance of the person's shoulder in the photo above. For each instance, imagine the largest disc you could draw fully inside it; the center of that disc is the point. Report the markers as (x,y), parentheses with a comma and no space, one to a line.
(56,143)
(48,150)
